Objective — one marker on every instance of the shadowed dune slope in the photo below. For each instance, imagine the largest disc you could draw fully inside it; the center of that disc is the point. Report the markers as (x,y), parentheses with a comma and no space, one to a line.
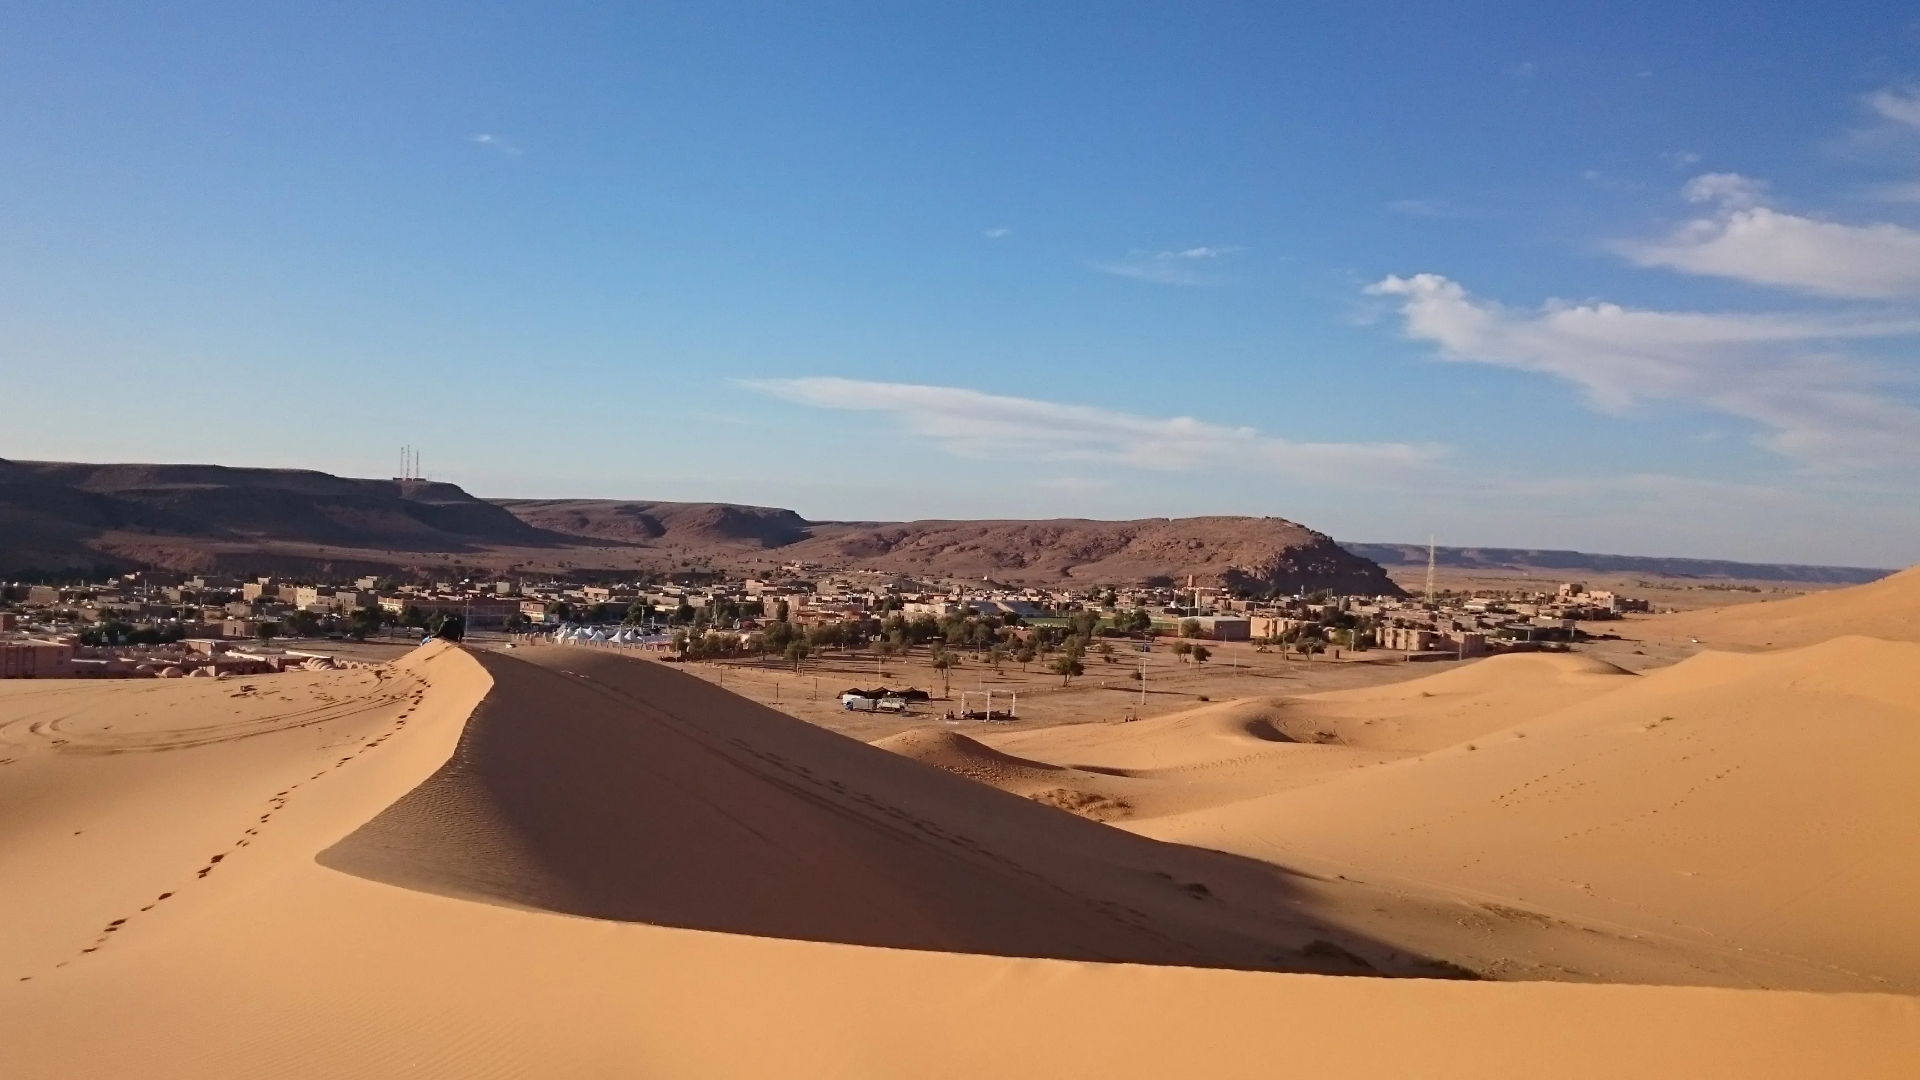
(1758,810)
(594,784)
(1887,609)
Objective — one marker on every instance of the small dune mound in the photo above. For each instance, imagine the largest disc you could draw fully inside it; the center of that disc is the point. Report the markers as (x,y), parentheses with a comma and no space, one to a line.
(1209,734)
(956,753)
(1066,789)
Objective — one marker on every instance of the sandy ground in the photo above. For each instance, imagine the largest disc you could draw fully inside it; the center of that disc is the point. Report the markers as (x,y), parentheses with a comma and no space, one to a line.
(565,863)
(1106,693)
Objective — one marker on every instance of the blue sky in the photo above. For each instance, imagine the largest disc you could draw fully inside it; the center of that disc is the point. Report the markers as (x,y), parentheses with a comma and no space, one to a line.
(1626,279)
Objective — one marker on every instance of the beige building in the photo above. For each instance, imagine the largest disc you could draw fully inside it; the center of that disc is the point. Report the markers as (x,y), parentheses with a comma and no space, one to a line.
(1263,627)
(36,660)
(1406,638)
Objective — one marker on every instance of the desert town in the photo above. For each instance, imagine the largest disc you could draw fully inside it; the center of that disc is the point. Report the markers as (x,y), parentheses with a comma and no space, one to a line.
(166,626)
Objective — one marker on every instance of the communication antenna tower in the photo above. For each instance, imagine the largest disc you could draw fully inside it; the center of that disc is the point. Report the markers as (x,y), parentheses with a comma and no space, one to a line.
(1429,570)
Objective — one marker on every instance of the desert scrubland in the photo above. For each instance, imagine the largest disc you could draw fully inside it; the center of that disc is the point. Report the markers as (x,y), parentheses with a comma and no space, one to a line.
(569,862)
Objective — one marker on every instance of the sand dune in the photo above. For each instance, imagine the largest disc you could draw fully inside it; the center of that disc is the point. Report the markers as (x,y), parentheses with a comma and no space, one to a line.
(1755,814)
(1093,795)
(593,784)
(1887,609)
(1231,751)
(265,963)
(1452,707)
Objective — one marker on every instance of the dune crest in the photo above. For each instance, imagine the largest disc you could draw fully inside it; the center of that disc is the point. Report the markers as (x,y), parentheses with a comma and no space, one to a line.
(1888,609)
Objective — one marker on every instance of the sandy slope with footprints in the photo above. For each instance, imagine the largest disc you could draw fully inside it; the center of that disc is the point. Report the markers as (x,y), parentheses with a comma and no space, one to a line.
(262,962)
(119,797)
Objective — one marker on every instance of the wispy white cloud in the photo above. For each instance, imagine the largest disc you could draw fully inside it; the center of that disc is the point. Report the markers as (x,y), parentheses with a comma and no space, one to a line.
(1899,106)
(1780,372)
(973,424)
(1747,240)
(998,231)
(495,143)
(1728,189)
(1181,267)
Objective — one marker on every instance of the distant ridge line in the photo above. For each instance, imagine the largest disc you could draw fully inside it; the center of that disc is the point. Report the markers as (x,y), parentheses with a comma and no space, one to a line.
(1392,555)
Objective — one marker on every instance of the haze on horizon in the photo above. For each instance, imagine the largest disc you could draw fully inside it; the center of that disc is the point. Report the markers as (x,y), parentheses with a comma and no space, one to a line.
(1638,280)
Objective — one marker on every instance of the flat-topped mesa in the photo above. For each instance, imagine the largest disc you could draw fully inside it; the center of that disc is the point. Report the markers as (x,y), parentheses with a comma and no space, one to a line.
(64,516)
(643,521)
(1250,554)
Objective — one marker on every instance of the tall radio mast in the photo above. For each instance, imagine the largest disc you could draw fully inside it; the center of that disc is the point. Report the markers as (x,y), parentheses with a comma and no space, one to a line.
(1429,570)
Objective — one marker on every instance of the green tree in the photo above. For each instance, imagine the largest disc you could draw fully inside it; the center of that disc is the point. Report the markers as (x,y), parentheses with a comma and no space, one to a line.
(1067,666)
(1105,649)
(944,663)
(1183,649)
(1190,628)
(1201,654)
(266,631)
(797,651)
(367,621)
